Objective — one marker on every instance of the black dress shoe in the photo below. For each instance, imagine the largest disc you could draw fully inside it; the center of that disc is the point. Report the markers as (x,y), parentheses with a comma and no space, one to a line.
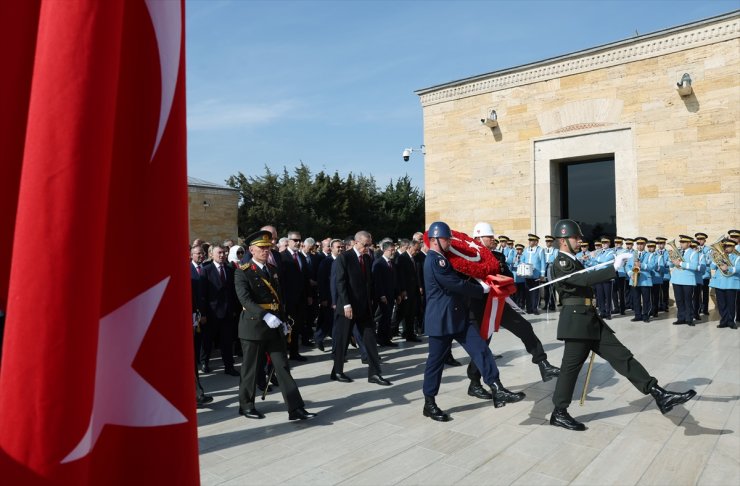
(561,418)
(476,390)
(320,345)
(300,414)
(231,372)
(608,317)
(341,377)
(502,396)
(390,344)
(297,357)
(252,413)
(203,400)
(536,312)
(635,319)
(432,411)
(677,323)
(450,361)
(720,326)
(646,320)
(353,342)
(691,323)
(379,380)
(412,339)
(548,371)
(205,368)
(666,400)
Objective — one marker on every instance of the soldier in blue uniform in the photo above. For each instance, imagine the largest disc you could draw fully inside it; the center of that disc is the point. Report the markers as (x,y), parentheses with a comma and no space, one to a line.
(666,273)
(513,261)
(684,280)
(657,277)
(604,289)
(550,254)
(583,331)
(726,283)
(735,236)
(618,297)
(535,257)
(629,244)
(446,318)
(699,278)
(639,268)
(701,300)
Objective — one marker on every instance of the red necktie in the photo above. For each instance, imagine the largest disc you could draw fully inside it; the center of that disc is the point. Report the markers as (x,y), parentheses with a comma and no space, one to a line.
(362,264)
(198,269)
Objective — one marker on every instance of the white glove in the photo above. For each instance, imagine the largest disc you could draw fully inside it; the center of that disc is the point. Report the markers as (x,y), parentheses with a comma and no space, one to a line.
(485,286)
(620,260)
(272,320)
(286,328)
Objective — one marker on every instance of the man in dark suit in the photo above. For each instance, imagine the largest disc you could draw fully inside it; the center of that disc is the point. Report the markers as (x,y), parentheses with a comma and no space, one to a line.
(419,258)
(384,278)
(297,288)
(262,330)
(354,287)
(199,310)
(325,320)
(221,311)
(583,330)
(410,289)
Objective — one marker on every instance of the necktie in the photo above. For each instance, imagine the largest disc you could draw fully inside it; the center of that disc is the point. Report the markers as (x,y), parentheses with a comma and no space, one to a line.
(198,269)
(222,274)
(266,271)
(390,265)
(362,264)
(682,252)
(297,260)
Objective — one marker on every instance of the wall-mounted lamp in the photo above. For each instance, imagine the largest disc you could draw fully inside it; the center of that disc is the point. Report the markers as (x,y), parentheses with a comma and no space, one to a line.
(407,152)
(491,121)
(684,86)
(206,205)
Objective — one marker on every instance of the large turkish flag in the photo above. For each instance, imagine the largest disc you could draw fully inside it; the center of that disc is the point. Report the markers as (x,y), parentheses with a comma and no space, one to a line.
(96,383)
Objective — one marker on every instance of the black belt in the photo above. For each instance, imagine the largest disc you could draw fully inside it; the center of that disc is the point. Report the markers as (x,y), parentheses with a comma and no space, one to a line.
(577,301)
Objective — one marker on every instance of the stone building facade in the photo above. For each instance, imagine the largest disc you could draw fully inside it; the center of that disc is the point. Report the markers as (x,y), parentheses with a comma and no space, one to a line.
(212,210)
(676,158)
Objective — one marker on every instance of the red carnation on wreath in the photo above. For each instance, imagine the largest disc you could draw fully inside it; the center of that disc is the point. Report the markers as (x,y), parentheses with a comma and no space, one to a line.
(470,258)
(466,257)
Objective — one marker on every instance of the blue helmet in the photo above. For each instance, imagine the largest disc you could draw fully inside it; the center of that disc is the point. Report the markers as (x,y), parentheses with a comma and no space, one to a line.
(439,229)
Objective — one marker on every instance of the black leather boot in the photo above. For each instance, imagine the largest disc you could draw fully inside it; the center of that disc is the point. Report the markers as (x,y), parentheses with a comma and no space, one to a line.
(561,418)
(548,371)
(666,400)
(476,390)
(432,411)
(502,396)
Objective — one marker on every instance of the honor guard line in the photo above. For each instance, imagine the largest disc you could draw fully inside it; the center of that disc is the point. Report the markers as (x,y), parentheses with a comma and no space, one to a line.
(595,267)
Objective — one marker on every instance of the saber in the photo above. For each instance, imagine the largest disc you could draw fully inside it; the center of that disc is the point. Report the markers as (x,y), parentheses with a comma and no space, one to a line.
(269,380)
(588,378)
(589,269)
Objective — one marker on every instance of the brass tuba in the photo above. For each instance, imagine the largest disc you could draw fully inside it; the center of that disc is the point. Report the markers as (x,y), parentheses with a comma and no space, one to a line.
(674,253)
(719,257)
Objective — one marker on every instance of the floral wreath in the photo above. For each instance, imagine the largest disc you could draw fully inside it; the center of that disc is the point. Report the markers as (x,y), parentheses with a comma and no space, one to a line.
(466,256)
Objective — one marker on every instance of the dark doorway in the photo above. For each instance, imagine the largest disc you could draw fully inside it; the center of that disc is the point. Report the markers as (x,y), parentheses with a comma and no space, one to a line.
(587,196)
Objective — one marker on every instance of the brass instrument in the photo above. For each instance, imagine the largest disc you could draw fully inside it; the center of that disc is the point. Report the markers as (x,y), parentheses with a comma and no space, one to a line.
(719,257)
(674,253)
(635,269)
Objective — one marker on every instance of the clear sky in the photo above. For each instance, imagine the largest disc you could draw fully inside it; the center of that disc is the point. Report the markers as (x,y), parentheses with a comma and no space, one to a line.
(331,83)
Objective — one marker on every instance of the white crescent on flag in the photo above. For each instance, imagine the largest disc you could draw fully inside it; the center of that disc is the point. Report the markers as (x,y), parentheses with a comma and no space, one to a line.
(166,19)
(469,258)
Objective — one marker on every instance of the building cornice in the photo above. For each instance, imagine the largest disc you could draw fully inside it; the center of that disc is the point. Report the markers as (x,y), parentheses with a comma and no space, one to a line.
(704,32)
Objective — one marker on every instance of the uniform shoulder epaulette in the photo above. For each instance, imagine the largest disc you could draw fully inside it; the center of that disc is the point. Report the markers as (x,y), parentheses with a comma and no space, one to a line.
(245,266)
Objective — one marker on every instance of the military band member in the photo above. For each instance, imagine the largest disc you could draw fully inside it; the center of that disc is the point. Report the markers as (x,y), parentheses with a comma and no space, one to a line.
(446,318)
(550,254)
(583,331)
(261,329)
(582,255)
(515,258)
(699,278)
(629,244)
(657,277)
(666,284)
(507,246)
(701,300)
(535,257)
(604,289)
(683,280)
(726,284)
(618,297)
(734,235)
(639,268)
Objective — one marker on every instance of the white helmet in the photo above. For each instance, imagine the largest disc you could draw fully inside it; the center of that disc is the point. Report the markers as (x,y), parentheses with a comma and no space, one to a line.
(482,229)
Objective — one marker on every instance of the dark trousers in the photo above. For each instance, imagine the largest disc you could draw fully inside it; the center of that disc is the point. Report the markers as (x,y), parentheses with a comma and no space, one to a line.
(701,298)
(550,299)
(252,351)
(627,289)
(533,297)
(343,327)
(664,290)
(618,298)
(684,302)
(514,322)
(410,314)
(298,314)
(473,344)
(612,350)
(604,297)
(223,329)
(383,321)
(520,298)
(324,323)
(641,302)
(199,392)
(726,301)
(655,298)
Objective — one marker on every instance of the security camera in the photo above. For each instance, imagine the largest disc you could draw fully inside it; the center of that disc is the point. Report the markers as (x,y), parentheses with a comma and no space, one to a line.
(406,155)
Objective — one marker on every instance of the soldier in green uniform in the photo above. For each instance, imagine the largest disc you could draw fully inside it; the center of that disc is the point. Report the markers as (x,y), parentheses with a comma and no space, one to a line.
(583,331)
(262,330)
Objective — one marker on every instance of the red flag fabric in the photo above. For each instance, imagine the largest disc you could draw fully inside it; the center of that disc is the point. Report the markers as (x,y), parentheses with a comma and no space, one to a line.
(97,370)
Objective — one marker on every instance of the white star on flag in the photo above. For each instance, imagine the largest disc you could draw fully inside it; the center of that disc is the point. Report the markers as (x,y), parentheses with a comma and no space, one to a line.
(122,396)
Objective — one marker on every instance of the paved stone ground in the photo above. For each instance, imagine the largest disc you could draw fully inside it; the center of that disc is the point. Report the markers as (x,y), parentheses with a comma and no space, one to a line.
(367,434)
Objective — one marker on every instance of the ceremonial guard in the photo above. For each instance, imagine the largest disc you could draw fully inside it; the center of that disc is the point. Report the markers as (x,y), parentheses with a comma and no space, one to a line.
(535,257)
(618,298)
(701,299)
(683,278)
(261,329)
(657,277)
(666,273)
(446,318)
(604,289)
(639,268)
(583,331)
(550,254)
(726,283)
